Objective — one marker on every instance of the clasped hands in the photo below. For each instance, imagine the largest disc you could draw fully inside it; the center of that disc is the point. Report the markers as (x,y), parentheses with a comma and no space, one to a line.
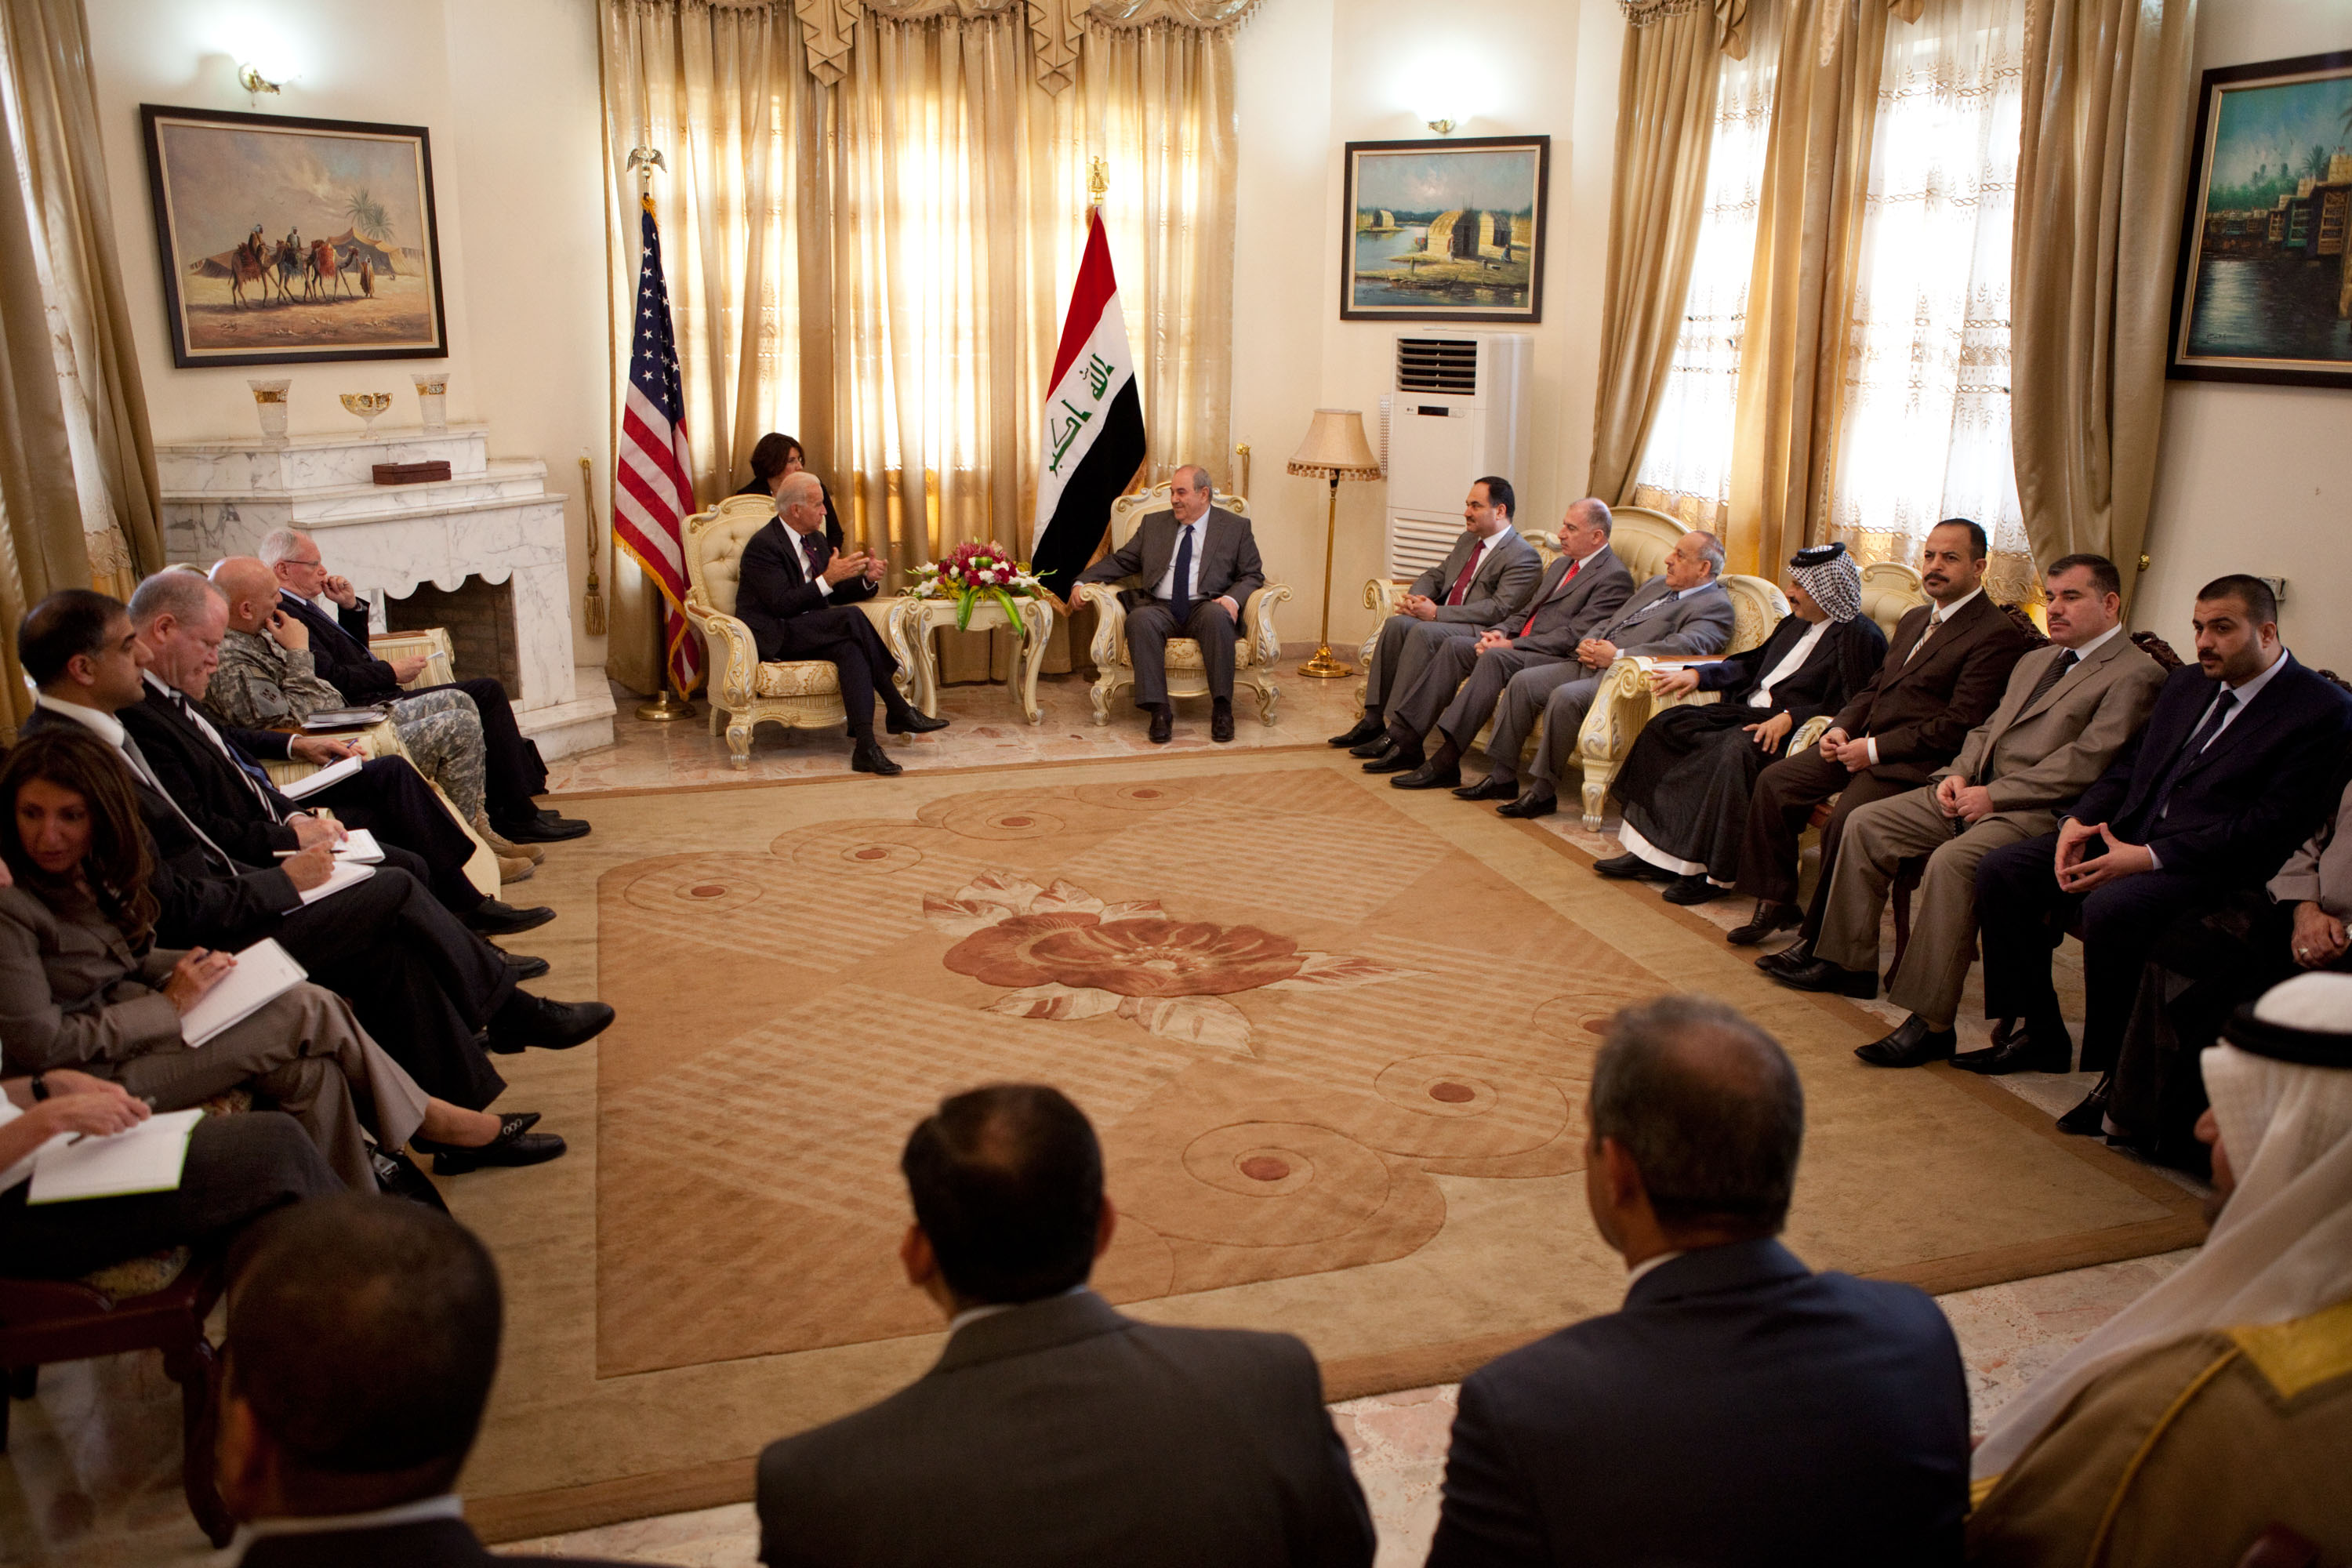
(2078,874)
(1420,607)
(2319,937)
(853,563)
(1837,746)
(1967,802)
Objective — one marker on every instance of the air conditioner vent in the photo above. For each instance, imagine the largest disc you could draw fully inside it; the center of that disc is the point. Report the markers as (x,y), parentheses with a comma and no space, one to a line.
(1437,364)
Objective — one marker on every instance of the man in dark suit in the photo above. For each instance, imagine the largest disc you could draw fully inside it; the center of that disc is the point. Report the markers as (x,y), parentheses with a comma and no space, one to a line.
(1054,1429)
(1459,688)
(1195,566)
(1946,667)
(800,599)
(1489,574)
(512,770)
(209,766)
(2229,774)
(363,1337)
(1738,1408)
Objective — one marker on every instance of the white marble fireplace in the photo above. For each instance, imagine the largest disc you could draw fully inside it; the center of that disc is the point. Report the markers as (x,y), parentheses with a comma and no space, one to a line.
(490,519)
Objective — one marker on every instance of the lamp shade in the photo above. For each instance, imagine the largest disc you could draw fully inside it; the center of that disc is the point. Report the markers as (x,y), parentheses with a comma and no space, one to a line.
(1335,447)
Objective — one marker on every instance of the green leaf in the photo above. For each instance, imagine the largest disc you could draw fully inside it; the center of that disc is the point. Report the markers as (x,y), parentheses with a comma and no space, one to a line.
(963,608)
(1011,614)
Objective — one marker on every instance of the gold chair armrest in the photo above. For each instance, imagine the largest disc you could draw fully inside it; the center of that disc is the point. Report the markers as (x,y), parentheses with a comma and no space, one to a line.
(1109,647)
(736,653)
(1258,622)
(433,642)
(1809,736)
(1383,594)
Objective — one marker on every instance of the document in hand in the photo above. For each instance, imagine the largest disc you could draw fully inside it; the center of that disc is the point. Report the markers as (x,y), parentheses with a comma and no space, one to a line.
(263,973)
(346,874)
(325,778)
(359,848)
(146,1159)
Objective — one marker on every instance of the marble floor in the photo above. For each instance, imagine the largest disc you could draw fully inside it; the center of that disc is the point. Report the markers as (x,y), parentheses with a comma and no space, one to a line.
(90,1476)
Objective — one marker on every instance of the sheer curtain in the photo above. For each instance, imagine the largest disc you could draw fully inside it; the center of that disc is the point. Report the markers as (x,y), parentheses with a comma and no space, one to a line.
(1685,467)
(1924,418)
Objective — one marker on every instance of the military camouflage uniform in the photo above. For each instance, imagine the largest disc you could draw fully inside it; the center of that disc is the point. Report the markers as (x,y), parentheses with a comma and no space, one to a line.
(260,684)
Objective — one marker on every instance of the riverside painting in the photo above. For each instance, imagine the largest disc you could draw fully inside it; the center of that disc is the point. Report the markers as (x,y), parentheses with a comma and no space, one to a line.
(1448,230)
(2264,287)
(286,240)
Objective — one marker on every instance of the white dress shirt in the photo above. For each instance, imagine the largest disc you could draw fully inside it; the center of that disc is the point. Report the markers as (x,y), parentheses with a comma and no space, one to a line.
(447,1505)
(1762,696)
(1166,587)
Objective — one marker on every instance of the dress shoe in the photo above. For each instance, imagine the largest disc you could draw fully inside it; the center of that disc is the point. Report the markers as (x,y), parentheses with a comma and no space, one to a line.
(1528,806)
(1371,727)
(1491,788)
(396,1177)
(524,1021)
(1692,891)
(1429,775)
(1220,720)
(913,722)
(1835,979)
(496,917)
(1396,760)
(1633,867)
(2089,1118)
(1796,955)
(1914,1045)
(1163,724)
(545,828)
(522,966)
(2036,1047)
(869,757)
(1380,745)
(1769,918)
(516,1145)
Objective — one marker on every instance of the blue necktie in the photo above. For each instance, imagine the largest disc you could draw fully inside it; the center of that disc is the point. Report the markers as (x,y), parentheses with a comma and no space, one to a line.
(1179,598)
(257,780)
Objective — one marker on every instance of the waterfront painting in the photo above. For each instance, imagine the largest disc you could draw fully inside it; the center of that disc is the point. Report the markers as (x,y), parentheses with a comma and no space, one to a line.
(2265,286)
(1444,231)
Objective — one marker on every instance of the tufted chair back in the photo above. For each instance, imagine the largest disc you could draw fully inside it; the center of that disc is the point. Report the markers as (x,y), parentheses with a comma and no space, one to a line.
(1130,510)
(714,546)
(1890,590)
(1642,539)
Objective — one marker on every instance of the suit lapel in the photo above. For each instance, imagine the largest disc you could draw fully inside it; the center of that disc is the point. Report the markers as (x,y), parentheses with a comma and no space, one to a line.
(2073,678)
(2267,697)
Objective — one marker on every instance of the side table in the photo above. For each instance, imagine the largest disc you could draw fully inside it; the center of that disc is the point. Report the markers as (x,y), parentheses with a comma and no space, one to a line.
(912,624)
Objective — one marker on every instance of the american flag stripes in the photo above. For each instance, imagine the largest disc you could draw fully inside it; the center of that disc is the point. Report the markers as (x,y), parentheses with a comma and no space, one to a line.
(653,496)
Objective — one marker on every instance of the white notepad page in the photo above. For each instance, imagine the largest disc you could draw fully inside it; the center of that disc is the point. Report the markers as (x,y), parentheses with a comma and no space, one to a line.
(148,1157)
(346,874)
(332,774)
(263,973)
(359,848)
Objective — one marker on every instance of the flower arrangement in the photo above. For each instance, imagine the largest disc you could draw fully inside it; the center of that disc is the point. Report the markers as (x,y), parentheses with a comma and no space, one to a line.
(973,570)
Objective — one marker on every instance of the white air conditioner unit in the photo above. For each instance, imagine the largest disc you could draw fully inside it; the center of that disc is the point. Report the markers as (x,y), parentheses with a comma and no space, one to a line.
(1458,412)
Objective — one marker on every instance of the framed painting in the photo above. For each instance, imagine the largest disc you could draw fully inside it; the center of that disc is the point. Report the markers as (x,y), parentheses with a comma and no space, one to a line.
(288,240)
(1444,231)
(2263,291)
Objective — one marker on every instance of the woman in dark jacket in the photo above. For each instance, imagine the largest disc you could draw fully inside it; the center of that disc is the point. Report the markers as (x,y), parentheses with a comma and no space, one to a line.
(776,457)
(1684,788)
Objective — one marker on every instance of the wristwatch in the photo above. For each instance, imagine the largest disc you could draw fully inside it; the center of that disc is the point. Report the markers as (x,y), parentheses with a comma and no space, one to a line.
(41,1089)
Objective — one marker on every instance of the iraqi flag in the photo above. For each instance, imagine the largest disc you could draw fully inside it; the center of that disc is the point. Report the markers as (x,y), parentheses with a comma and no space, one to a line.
(1094,423)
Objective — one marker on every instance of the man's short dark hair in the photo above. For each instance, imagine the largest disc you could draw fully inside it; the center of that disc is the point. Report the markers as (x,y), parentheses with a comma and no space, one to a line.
(1979,546)
(1499,493)
(1709,1107)
(363,1334)
(69,623)
(2261,603)
(1007,1182)
(2104,575)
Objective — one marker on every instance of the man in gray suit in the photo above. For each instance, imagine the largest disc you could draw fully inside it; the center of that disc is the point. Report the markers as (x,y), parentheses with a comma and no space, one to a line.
(1488,575)
(1195,567)
(1054,1429)
(1465,678)
(1682,611)
(2068,710)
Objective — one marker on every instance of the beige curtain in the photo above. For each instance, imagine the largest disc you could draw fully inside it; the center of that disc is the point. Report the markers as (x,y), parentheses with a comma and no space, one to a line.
(2108,86)
(78,485)
(871,221)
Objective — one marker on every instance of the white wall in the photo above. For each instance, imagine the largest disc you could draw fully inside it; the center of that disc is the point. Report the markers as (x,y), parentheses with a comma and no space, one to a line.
(509,94)
(2257,478)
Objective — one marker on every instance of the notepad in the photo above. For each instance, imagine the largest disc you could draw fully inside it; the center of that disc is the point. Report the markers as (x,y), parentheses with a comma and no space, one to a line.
(149,1158)
(327,718)
(263,973)
(346,874)
(325,778)
(359,848)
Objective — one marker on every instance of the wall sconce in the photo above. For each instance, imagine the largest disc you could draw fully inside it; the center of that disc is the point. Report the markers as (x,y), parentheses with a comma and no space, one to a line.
(1442,126)
(254,82)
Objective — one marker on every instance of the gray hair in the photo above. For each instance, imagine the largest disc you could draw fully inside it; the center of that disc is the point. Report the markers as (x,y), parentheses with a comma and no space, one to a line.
(1712,553)
(183,596)
(1201,479)
(801,488)
(1709,1109)
(280,544)
(1596,514)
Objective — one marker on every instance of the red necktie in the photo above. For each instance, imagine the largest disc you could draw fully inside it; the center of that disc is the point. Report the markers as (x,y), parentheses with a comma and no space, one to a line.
(1573,568)
(1462,583)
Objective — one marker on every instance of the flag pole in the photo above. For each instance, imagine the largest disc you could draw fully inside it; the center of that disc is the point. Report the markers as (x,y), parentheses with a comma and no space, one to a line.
(670,704)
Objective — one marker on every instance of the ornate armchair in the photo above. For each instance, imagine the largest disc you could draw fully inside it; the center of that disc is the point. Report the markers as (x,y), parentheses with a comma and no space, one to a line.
(1255,650)
(800,693)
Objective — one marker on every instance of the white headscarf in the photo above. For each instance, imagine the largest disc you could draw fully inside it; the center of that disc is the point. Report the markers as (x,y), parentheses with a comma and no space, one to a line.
(2281,1248)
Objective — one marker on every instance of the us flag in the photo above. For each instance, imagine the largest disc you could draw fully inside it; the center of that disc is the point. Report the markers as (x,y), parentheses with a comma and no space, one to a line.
(653,497)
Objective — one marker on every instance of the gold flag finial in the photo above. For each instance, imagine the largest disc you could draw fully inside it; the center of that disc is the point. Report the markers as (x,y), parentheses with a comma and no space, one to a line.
(1097,182)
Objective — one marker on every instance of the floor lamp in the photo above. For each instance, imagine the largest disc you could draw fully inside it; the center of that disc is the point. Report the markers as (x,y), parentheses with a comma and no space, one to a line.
(1335,449)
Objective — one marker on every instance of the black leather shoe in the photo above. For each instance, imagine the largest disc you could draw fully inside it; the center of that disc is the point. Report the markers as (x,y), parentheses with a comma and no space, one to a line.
(524,1021)
(1835,979)
(522,966)
(1371,727)
(1163,724)
(1631,869)
(913,722)
(1429,775)
(396,1175)
(1220,720)
(1769,918)
(2089,1118)
(1794,956)
(866,756)
(494,917)
(2036,1047)
(544,827)
(1380,745)
(1528,806)
(1490,788)
(1396,760)
(516,1145)
(1692,891)
(1914,1045)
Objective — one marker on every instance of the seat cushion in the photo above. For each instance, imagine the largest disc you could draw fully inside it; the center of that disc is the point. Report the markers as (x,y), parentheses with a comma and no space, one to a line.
(136,1277)
(797,678)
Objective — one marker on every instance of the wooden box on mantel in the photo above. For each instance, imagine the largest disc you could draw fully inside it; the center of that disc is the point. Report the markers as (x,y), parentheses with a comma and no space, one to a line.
(410,473)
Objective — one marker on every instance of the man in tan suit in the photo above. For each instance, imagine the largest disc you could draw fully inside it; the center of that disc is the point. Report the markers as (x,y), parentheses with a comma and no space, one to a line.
(2069,708)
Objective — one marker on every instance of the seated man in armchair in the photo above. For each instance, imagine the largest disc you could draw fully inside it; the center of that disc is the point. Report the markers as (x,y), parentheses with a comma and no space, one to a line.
(799,597)
(1198,566)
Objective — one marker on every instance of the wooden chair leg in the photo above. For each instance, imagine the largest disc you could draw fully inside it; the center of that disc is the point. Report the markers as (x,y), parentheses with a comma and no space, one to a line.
(196,1369)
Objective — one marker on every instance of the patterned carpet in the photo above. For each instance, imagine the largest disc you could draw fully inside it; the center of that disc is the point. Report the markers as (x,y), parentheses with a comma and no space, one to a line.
(1336,1039)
